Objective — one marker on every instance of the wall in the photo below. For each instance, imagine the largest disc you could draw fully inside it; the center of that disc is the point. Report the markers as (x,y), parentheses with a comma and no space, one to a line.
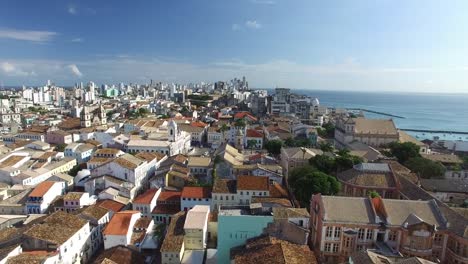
(235,230)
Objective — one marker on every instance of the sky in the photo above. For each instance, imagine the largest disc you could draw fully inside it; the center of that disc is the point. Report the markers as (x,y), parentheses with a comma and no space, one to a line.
(365,45)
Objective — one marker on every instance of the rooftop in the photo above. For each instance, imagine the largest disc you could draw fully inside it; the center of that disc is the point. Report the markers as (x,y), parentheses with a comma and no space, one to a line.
(41,189)
(257,183)
(57,228)
(272,250)
(224,186)
(199,161)
(119,223)
(146,197)
(197,217)
(175,234)
(196,192)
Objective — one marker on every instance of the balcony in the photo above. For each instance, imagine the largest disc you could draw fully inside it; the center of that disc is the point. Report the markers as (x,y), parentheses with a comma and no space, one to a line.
(417,251)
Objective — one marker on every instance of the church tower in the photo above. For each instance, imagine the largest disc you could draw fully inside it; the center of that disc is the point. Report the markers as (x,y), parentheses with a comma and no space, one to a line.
(85,117)
(102,115)
(239,139)
(172,130)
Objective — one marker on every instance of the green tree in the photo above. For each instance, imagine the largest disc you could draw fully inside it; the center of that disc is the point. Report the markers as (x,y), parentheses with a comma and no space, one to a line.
(326,131)
(404,151)
(251,143)
(326,147)
(223,130)
(74,170)
(373,194)
(289,142)
(425,168)
(60,147)
(240,123)
(323,163)
(307,181)
(274,146)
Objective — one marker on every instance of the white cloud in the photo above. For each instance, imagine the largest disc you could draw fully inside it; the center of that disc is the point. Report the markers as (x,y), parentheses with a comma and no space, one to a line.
(72,10)
(74,70)
(77,40)
(11,70)
(28,35)
(263,2)
(235,27)
(253,24)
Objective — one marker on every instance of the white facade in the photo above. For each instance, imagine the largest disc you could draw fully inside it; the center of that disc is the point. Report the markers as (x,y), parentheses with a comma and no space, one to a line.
(40,204)
(196,227)
(112,240)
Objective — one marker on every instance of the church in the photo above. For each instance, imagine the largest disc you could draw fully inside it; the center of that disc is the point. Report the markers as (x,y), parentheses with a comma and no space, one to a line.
(93,116)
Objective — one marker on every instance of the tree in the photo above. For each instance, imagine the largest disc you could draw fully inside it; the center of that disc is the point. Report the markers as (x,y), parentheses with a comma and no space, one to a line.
(425,168)
(240,123)
(251,143)
(274,147)
(327,130)
(373,194)
(326,147)
(306,181)
(323,163)
(223,130)
(60,147)
(74,171)
(404,151)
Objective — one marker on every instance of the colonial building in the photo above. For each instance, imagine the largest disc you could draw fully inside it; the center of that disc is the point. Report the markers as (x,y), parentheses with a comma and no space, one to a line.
(373,132)
(366,177)
(93,117)
(344,225)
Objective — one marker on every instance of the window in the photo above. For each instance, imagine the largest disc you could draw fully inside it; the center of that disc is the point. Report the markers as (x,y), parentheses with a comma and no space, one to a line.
(335,247)
(392,236)
(327,247)
(242,193)
(369,234)
(361,233)
(337,231)
(438,239)
(227,198)
(329,231)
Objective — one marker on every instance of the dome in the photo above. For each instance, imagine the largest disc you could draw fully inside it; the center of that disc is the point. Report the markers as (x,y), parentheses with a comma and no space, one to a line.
(82,174)
(315,102)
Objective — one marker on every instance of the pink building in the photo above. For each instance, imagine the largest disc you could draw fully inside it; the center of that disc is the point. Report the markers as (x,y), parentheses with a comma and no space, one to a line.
(59,137)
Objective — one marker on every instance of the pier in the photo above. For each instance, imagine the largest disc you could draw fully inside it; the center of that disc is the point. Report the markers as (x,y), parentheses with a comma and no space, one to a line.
(375,112)
(434,131)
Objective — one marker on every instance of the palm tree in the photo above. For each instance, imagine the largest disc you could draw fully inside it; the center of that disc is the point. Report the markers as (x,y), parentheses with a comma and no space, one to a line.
(223,129)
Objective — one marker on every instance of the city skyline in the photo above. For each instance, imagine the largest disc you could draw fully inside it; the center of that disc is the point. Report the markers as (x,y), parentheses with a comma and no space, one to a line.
(359,45)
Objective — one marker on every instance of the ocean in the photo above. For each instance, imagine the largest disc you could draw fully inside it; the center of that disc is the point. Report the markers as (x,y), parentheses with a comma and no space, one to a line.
(448,112)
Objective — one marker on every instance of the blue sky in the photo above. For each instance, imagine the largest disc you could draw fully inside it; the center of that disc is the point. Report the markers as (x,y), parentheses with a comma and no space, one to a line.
(378,45)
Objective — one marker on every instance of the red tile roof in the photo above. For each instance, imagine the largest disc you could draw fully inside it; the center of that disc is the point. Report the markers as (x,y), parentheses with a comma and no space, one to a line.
(146,197)
(119,223)
(196,192)
(277,191)
(254,133)
(111,205)
(41,189)
(244,114)
(198,124)
(260,183)
(169,196)
(167,209)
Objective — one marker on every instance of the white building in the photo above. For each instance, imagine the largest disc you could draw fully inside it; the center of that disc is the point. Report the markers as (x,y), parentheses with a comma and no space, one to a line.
(196,227)
(120,229)
(42,196)
(64,235)
(146,202)
(192,196)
